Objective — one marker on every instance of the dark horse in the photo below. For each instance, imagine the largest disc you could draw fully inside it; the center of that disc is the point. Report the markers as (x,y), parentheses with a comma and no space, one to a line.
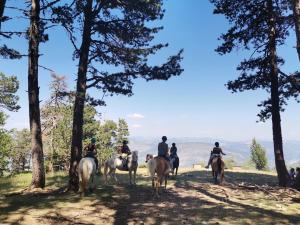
(218,167)
(175,164)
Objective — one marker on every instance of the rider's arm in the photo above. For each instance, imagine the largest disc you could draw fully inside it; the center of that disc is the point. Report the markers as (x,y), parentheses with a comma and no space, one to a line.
(222,152)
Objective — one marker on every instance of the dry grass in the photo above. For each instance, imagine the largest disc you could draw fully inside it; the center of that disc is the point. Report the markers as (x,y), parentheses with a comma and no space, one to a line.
(190,199)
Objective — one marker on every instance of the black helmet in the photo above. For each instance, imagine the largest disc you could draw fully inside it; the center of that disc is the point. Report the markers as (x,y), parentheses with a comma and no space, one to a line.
(125,142)
(164,138)
(173,144)
(217,144)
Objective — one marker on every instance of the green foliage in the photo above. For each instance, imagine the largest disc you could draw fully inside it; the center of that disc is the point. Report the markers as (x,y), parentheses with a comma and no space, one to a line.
(122,132)
(90,124)
(57,115)
(20,151)
(105,137)
(121,37)
(258,156)
(252,24)
(8,89)
(5,145)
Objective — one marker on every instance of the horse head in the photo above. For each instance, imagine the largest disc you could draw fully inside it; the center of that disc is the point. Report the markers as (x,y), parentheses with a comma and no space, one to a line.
(148,157)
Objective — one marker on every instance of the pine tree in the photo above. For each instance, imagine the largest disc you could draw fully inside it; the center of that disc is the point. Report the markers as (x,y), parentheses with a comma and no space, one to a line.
(296,14)
(5,143)
(20,150)
(122,132)
(8,88)
(261,26)
(258,155)
(117,35)
(36,35)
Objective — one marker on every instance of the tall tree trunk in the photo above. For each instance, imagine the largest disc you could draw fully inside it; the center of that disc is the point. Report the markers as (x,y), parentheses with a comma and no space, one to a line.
(38,172)
(2,6)
(77,131)
(282,173)
(296,12)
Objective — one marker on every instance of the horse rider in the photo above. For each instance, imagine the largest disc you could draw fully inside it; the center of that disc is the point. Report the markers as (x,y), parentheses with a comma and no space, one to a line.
(163,150)
(216,152)
(124,151)
(173,151)
(91,151)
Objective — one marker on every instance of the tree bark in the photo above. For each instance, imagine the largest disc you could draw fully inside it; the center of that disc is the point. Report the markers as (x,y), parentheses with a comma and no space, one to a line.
(2,6)
(296,13)
(77,131)
(282,173)
(38,172)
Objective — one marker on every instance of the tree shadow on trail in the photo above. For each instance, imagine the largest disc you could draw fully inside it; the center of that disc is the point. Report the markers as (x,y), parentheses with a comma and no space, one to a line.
(188,200)
(187,204)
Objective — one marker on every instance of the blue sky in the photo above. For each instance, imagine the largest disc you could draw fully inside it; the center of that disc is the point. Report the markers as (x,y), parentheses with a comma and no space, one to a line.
(195,104)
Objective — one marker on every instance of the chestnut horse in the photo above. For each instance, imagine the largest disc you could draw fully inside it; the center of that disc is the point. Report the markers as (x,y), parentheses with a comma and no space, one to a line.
(160,167)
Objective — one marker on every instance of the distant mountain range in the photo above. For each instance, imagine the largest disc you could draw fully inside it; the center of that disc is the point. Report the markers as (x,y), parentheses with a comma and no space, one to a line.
(195,150)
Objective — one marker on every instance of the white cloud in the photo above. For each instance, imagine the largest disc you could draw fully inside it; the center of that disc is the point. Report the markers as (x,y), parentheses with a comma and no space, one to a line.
(136,126)
(136,116)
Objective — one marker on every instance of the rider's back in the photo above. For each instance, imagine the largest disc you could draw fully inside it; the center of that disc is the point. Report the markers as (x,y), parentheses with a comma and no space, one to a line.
(162,149)
(216,150)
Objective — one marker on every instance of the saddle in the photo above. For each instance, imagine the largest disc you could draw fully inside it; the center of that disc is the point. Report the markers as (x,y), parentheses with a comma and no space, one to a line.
(216,156)
(124,160)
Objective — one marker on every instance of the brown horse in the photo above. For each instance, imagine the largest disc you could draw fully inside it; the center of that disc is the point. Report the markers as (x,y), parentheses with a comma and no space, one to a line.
(218,167)
(159,166)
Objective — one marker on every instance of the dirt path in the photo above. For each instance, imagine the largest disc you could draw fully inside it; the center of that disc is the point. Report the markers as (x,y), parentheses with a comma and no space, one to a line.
(191,199)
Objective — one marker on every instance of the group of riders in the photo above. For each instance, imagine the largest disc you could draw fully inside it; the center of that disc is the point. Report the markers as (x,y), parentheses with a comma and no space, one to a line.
(163,151)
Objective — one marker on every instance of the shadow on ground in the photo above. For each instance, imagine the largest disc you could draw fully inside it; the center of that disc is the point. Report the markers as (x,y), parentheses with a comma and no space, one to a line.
(190,199)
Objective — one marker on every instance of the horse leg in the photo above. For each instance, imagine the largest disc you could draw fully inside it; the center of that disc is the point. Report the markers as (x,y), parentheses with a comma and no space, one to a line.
(166,180)
(93,186)
(130,177)
(157,183)
(176,171)
(113,172)
(105,173)
(216,177)
(134,176)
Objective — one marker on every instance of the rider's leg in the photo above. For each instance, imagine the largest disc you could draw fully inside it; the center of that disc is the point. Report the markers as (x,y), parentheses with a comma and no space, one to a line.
(209,162)
(96,162)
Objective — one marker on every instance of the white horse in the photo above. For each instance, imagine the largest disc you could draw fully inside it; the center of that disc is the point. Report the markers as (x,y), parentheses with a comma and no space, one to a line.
(86,173)
(115,162)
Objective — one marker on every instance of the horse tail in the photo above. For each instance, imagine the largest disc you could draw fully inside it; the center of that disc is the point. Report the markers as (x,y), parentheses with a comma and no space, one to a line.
(219,162)
(85,175)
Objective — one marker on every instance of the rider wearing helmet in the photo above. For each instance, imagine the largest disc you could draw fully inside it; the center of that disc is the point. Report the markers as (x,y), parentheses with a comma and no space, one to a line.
(91,151)
(163,149)
(216,152)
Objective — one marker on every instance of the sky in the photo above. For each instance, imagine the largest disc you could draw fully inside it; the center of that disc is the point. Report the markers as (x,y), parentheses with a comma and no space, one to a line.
(194,104)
